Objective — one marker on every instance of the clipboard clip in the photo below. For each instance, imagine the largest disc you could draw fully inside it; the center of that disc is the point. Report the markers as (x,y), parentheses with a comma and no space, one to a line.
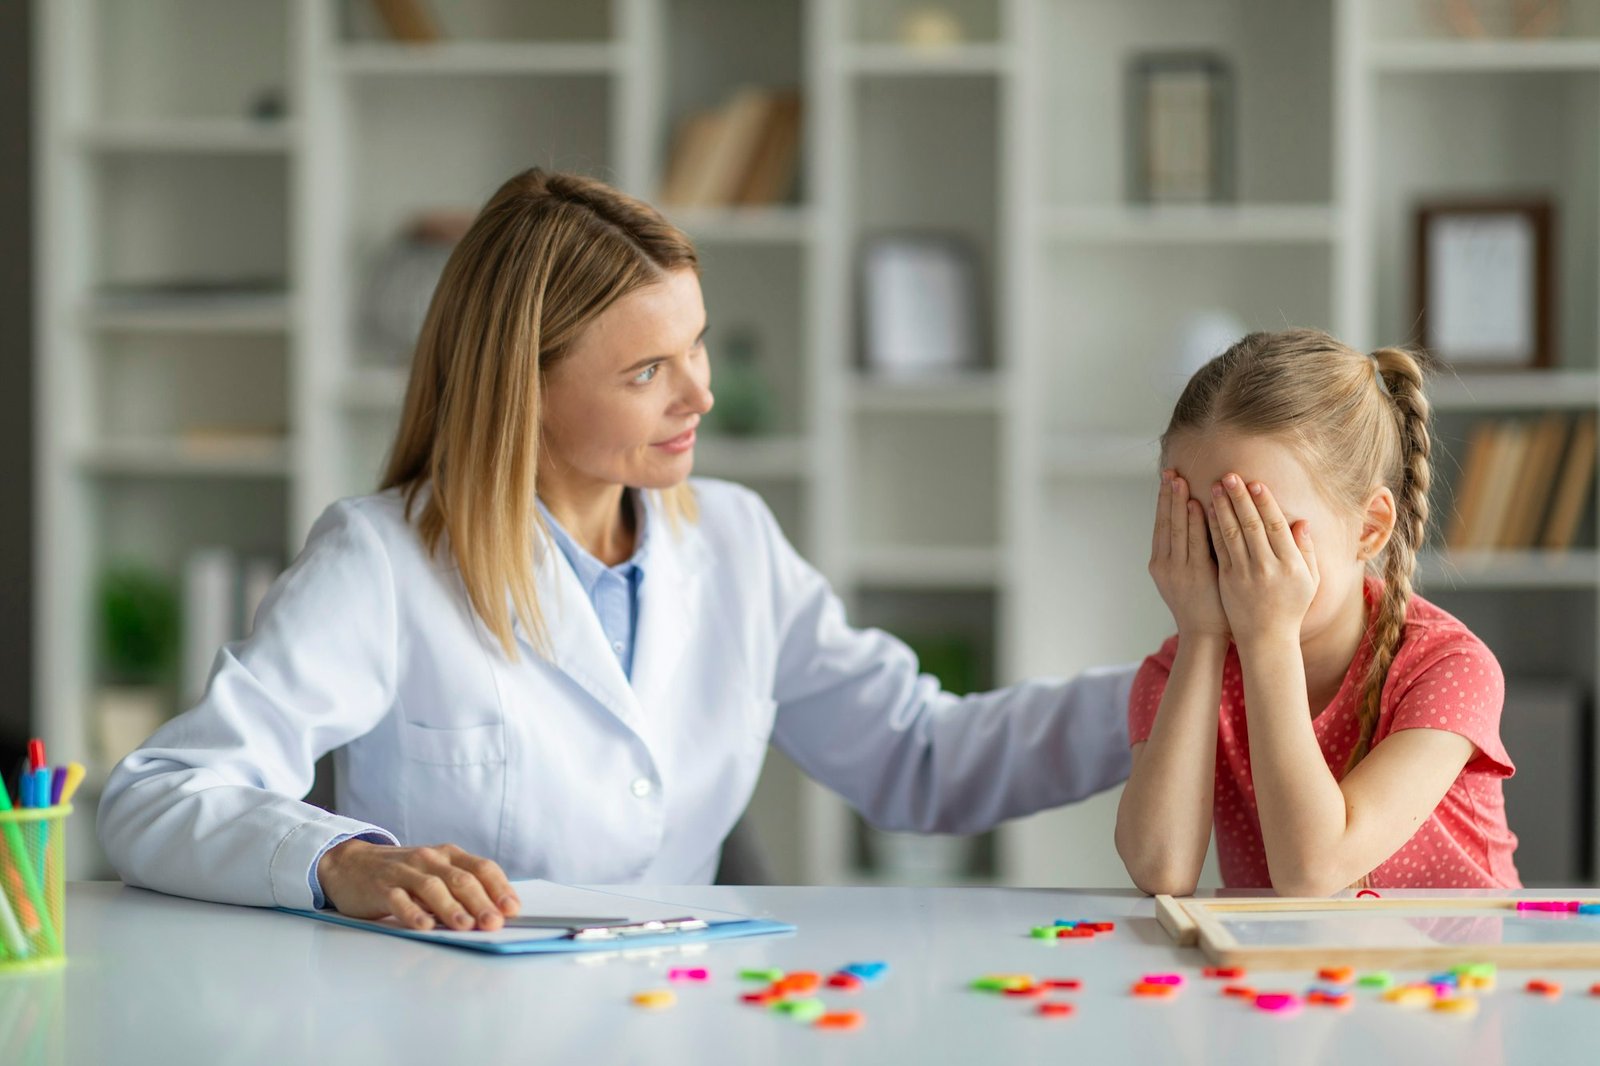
(622,930)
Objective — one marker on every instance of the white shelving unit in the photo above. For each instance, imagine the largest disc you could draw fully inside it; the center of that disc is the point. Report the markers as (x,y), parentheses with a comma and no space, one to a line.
(1009,505)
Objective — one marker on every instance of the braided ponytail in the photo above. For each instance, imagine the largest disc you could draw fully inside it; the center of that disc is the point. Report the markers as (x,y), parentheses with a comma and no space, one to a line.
(1400,374)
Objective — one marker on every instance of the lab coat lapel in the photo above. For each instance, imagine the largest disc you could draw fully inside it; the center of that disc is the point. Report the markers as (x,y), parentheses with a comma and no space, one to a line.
(578,645)
(665,598)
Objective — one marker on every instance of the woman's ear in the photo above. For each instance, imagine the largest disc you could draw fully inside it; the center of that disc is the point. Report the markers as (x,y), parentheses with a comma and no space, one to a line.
(1377,523)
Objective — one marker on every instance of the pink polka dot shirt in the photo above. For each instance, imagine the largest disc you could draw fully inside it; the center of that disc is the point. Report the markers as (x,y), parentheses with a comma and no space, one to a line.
(1442,677)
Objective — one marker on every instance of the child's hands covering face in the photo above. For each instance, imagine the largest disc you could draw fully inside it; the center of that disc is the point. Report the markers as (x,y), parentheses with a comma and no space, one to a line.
(1181,563)
(1267,570)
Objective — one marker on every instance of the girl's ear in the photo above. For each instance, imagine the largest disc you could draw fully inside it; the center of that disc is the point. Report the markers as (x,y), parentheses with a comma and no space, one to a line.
(1377,523)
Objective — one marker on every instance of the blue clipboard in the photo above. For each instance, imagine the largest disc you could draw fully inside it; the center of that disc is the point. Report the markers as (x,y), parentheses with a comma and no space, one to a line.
(550,898)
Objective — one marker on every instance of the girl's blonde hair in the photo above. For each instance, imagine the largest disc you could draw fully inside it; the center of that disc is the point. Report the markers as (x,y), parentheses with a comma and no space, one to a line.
(547,255)
(1355,422)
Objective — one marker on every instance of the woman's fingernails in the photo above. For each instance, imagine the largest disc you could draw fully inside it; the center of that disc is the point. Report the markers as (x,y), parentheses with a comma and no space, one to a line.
(489,919)
(1255,490)
(1216,490)
(1232,481)
(509,904)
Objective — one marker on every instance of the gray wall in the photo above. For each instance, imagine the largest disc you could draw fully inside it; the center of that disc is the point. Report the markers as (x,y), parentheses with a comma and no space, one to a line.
(16,382)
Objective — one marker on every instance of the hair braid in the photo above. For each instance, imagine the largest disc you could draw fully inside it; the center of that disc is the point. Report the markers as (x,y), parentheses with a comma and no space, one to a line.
(1400,374)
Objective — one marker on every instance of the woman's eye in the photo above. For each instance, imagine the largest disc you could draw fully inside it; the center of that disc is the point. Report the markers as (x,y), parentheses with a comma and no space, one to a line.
(645,376)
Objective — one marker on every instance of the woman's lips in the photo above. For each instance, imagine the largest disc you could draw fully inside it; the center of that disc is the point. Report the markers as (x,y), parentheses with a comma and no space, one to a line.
(679,444)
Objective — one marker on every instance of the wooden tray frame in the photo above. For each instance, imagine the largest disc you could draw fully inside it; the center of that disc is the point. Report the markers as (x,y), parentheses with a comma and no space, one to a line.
(1194,922)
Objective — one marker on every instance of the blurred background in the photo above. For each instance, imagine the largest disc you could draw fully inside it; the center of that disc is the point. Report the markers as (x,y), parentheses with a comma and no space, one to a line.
(959,258)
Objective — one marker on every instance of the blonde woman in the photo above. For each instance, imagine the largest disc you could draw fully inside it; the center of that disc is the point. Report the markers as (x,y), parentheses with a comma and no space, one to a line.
(541,650)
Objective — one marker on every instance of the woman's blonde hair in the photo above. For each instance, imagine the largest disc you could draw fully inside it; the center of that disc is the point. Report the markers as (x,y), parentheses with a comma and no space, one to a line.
(547,255)
(1355,422)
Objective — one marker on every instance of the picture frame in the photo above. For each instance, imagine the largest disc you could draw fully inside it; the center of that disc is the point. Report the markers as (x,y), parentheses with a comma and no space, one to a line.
(921,306)
(1399,930)
(1181,137)
(1485,285)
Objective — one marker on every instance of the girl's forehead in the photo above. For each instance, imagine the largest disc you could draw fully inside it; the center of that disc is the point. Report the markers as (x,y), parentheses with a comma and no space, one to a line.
(1204,459)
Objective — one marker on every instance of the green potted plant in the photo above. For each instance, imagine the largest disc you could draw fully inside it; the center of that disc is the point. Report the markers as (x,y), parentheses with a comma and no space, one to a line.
(138,642)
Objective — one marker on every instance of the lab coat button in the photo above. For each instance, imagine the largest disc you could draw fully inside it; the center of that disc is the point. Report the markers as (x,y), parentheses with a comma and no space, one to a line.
(617,646)
(641,787)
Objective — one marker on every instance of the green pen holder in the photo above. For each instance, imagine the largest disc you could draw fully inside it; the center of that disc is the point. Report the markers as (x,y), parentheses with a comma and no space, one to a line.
(33,910)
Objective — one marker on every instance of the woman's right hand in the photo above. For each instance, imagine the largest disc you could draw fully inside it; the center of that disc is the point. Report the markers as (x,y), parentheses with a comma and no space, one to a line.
(1181,562)
(420,887)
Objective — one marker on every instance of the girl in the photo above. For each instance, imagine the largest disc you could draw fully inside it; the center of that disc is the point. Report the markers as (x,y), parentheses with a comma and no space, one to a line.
(1335,728)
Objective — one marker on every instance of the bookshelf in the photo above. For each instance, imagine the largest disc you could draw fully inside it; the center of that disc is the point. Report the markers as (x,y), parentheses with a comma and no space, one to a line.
(1011,503)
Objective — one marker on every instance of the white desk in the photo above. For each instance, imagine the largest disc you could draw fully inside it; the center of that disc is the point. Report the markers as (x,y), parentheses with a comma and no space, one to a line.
(153,979)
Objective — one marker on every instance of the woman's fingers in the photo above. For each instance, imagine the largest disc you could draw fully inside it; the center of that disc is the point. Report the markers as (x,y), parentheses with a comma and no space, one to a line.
(406,910)
(495,883)
(434,893)
(467,884)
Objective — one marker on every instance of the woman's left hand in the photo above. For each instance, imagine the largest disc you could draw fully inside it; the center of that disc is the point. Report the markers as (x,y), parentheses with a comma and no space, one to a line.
(1266,570)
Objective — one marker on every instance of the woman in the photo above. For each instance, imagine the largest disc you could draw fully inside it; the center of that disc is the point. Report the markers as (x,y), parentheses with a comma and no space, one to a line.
(541,643)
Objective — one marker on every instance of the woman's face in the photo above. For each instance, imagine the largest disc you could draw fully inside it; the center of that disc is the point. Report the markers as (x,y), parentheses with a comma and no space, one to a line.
(621,408)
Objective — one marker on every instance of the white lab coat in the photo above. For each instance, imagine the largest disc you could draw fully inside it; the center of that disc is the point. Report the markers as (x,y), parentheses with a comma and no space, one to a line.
(562,768)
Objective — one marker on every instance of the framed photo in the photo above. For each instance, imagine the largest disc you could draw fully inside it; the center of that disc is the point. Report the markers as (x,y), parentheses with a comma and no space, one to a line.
(920,305)
(1180,128)
(1485,286)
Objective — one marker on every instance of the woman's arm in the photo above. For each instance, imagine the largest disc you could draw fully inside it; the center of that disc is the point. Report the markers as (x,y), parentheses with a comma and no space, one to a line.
(854,713)
(1320,834)
(210,806)
(1164,817)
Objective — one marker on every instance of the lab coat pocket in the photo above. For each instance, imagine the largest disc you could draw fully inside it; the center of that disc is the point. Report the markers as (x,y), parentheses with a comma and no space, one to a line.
(455,786)
(472,745)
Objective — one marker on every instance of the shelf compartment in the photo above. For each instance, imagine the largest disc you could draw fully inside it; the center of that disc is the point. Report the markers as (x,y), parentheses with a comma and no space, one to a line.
(222,313)
(178,459)
(885,22)
(1107,456)
(546,22)
(1459,56)
(1466,570)
(909,566)
(971,393)
(166,59)
(1101,301)
(960,60)
(1196,224)
(1532,390)
(1282,59)
(745,459)
(199,136)
(1489,136)
(478,59)
(744,225)
(168,220)
(928,483)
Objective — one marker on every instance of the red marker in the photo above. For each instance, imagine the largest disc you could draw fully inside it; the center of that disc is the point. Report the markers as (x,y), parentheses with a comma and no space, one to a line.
(36,754)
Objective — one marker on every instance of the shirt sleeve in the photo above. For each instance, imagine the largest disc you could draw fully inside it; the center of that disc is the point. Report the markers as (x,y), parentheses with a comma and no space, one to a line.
(1149,685)
(1455,684)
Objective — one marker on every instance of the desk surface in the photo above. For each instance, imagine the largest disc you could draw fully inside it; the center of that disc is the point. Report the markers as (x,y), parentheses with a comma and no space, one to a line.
(154,979)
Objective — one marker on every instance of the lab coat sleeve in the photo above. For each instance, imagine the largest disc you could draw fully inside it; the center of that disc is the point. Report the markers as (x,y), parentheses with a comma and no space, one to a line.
(210,806)
(854,713)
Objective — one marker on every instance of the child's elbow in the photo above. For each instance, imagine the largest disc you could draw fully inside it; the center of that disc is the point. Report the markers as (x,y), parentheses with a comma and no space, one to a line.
(1307,884)
(1166,883)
